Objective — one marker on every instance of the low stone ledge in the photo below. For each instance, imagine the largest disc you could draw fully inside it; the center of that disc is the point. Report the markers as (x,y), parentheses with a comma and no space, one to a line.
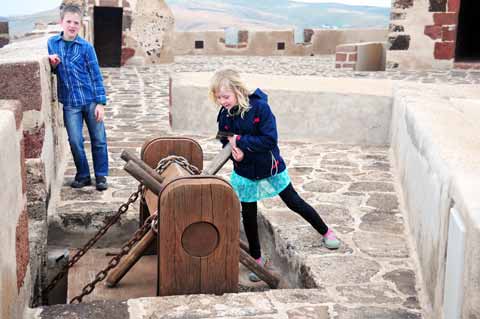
(345,110)
(436,150)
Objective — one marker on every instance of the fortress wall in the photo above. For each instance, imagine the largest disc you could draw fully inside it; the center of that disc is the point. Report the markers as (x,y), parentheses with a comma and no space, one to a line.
(15,281)
(266,43)
(26,78)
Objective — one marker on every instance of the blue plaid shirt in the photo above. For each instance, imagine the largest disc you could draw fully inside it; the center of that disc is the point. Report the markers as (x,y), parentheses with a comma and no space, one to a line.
(79,81)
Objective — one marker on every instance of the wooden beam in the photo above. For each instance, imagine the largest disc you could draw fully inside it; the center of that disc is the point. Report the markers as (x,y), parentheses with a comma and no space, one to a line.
(269,278)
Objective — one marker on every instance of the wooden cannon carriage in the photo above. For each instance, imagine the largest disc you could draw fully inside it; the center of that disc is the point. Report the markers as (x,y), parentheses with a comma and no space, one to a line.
(197,239)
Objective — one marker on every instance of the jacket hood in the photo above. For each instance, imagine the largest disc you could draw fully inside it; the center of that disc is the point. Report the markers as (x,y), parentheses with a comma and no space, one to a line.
(258,95)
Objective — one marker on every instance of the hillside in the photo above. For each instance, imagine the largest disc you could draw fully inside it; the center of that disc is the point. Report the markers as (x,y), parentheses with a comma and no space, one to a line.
(210,14)
(265,14)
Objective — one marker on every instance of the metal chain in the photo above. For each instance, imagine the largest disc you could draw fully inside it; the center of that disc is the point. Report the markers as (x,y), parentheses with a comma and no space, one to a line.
(115,218)
(102,274)
(180,160)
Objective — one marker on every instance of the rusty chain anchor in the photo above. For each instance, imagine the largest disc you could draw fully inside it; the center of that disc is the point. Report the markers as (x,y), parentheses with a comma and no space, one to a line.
(114,219)
(150,222)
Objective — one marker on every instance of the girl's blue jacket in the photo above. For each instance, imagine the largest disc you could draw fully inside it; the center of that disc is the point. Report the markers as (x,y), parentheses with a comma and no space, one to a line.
(257,138)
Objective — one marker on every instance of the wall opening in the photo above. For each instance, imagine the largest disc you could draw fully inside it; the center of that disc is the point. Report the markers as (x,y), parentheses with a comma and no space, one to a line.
(198,44)
(280,45)
(108,35)
(467,46)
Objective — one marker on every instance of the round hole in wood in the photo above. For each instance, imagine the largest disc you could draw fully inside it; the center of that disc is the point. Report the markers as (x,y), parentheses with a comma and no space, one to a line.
(200,239)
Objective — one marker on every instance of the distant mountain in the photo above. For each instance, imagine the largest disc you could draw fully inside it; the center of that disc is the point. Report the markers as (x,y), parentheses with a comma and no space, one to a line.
(211,14)
(262,14)
(19,25)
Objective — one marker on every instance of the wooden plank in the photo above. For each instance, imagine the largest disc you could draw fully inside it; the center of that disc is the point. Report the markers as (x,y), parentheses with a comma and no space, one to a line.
(208,265)
(191,214)
(138,282)
(156,149)
(232,216)
(166,244)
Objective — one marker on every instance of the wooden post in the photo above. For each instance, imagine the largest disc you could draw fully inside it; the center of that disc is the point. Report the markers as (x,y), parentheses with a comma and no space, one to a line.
(143,177)
(128,156)
(248,261)
(219,160)
(131,259)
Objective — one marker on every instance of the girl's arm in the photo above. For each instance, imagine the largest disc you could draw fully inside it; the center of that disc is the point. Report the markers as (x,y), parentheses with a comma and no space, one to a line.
(267,136)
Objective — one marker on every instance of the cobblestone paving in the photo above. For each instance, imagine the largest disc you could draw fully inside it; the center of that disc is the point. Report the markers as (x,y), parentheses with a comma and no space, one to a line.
(373,274)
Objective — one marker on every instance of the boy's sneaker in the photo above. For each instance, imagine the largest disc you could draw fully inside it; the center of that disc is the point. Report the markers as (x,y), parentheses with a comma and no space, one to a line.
(81,182)
(330,240)
(252,276)
(101,183)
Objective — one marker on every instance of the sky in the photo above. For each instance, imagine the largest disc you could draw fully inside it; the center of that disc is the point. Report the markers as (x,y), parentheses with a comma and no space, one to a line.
(18,7)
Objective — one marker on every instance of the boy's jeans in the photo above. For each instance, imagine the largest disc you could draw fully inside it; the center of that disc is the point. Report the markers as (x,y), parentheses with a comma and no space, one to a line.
(73,117)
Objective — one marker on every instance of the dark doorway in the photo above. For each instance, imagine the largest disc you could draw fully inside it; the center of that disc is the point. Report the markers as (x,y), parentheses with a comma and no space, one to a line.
(107,23)
(468,45)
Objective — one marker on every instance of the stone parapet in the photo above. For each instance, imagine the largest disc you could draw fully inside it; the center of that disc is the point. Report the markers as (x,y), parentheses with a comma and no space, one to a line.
(272,42)
(436,150)
(342,110)
(14,233)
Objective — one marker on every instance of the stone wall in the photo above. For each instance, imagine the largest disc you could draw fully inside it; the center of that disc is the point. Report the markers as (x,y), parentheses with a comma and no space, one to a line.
(26,76)
(435,147)
(271,42)
(15,281)
(4,36)
(422,34)
(343,110)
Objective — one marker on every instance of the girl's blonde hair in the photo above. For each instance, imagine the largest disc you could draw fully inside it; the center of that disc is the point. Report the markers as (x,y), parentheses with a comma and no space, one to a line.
(229,79)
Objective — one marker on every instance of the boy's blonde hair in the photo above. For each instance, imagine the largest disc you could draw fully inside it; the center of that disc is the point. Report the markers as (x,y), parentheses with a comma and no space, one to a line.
(71,6)
(230,79)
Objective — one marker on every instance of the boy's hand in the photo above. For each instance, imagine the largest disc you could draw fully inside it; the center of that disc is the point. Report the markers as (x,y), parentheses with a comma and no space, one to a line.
(99,112)
(54,60)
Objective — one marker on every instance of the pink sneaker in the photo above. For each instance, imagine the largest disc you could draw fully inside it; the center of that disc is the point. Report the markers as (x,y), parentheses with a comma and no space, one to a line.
(252,276)
(330,240)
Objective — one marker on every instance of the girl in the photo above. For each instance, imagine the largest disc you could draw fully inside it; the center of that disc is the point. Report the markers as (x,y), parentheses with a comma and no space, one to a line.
(259,170)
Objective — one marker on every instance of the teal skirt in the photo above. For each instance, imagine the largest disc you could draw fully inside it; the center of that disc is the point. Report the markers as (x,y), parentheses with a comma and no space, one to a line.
(254,190)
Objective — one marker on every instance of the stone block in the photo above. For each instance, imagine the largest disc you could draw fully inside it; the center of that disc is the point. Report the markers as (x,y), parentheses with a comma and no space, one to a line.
(26,76)
(433,31)
(449,33)
(22,248)
(444,50)
(453,5)
(445,18)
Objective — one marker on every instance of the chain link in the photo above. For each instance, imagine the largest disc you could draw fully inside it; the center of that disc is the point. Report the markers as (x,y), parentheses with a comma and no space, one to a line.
(180,160)
(102,274)
(150,222)
(114,219)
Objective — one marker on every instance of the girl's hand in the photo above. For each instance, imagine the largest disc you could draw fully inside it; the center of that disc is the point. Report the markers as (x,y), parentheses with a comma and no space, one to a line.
(99,112)
(237,154)
(233,141)
(54,60)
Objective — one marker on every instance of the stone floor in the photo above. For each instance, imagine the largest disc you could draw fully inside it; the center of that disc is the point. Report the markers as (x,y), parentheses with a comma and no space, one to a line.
(373,274)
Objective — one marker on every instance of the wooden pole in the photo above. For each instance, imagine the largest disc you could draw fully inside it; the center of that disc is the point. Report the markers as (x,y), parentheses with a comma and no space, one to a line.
(131,259)
(218,161)
(269,278)
(143,177)
(129,156)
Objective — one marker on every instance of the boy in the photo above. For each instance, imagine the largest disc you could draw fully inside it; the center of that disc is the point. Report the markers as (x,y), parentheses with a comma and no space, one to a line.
(81,91)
